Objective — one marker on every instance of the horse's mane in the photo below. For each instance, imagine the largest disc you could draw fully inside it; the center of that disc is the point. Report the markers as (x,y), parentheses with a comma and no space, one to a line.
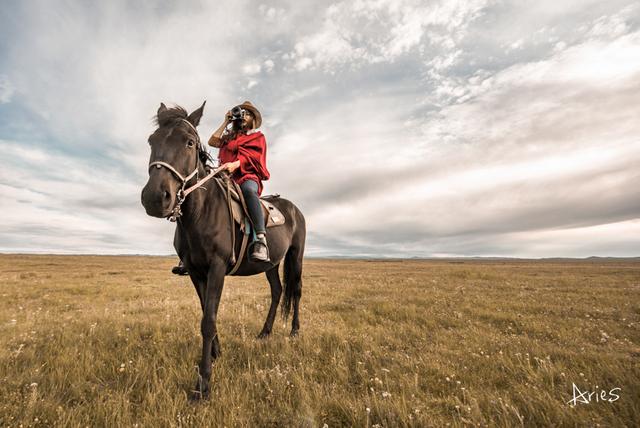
(170,116)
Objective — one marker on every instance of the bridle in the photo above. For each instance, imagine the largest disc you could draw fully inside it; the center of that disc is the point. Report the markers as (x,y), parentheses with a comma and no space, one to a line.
(184,191)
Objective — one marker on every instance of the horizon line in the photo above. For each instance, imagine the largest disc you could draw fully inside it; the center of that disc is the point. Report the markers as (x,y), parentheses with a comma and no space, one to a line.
(330,257)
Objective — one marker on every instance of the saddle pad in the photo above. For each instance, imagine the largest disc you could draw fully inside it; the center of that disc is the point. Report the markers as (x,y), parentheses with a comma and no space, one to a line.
(273,214)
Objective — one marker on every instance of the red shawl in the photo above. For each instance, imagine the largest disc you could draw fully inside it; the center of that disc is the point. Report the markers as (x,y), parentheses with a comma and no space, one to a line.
(251,150)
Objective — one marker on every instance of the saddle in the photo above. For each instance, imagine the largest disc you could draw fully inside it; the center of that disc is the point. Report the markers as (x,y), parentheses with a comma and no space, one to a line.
(273,216)
(238,210)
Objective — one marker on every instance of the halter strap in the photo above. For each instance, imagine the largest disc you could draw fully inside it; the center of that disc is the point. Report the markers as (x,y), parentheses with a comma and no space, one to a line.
(160,164)
(192,127)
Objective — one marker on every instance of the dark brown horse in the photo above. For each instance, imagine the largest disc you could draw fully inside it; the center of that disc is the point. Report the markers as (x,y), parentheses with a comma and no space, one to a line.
(204,229)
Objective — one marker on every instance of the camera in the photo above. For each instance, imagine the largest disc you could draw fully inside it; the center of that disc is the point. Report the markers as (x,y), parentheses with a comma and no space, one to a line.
(237,113)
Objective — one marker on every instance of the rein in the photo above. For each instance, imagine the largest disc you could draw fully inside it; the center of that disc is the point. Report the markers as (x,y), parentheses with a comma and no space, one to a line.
(184,191)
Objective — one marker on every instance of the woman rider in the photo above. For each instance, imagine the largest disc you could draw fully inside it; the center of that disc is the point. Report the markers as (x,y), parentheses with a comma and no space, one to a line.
(243,152)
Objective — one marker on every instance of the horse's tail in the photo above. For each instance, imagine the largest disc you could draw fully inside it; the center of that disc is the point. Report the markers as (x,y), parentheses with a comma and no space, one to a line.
(292,270)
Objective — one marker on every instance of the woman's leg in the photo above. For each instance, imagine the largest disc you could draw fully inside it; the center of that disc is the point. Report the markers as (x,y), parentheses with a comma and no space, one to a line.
(250,193)
(259,251)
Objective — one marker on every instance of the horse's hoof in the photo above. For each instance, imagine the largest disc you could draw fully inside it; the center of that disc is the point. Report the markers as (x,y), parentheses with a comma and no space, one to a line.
(199,395)
(200,391)
(263,335)
(294,333)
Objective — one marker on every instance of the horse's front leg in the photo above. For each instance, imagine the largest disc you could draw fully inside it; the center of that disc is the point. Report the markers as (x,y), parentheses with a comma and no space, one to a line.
(215,282)
(200,284)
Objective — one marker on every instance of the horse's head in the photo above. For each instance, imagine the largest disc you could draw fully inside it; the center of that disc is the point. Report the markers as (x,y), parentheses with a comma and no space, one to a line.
(175,147)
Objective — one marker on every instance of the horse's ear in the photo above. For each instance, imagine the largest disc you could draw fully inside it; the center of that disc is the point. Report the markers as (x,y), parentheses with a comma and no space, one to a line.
(196,115)
(161,108)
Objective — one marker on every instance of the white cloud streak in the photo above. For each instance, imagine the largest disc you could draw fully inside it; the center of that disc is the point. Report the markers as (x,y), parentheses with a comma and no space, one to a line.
(374,31)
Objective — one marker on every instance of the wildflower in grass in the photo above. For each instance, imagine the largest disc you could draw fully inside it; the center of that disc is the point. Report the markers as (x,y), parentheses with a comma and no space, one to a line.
(386,394)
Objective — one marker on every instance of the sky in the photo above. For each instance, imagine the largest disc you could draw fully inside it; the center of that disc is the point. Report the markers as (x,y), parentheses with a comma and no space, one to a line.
(399,128)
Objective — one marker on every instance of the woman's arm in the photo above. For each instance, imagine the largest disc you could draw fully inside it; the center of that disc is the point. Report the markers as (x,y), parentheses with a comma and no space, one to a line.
(232,166)
(219,137)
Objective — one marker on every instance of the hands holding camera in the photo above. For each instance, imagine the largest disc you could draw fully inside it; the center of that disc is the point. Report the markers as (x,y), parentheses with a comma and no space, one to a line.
(243,118)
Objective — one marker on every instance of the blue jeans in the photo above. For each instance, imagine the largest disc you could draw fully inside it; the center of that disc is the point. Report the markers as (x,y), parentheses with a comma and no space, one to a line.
(250,193)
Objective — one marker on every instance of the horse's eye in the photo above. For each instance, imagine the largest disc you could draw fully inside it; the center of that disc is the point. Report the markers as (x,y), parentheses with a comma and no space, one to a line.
(190,143)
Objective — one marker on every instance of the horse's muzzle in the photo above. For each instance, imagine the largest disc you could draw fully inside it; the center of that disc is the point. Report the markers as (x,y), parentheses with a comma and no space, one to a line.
(157,200)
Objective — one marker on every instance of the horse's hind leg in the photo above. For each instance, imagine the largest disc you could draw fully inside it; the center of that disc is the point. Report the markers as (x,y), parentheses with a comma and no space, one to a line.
(276,291)
(293,281)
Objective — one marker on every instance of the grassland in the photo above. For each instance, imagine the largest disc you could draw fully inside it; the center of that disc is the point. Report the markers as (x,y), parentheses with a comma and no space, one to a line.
(113,341)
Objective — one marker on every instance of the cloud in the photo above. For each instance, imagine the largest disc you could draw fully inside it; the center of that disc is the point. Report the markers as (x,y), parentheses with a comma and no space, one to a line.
(540,129)
(70,206)
(268,65)
(271,14)
(251,69)
(118,67)
(400,128)
(357,33)
(6,89)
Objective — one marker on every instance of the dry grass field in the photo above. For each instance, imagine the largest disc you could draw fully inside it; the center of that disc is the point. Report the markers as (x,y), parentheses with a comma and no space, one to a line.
(114,341)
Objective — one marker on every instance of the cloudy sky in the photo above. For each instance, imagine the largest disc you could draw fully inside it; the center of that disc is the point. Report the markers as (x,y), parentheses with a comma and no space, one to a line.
(400,128)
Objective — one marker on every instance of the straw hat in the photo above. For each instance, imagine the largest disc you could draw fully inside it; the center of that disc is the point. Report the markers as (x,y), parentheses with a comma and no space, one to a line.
(256,114)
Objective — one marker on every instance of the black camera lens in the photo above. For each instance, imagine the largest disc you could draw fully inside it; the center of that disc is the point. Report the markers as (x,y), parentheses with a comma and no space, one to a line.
(236,113)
